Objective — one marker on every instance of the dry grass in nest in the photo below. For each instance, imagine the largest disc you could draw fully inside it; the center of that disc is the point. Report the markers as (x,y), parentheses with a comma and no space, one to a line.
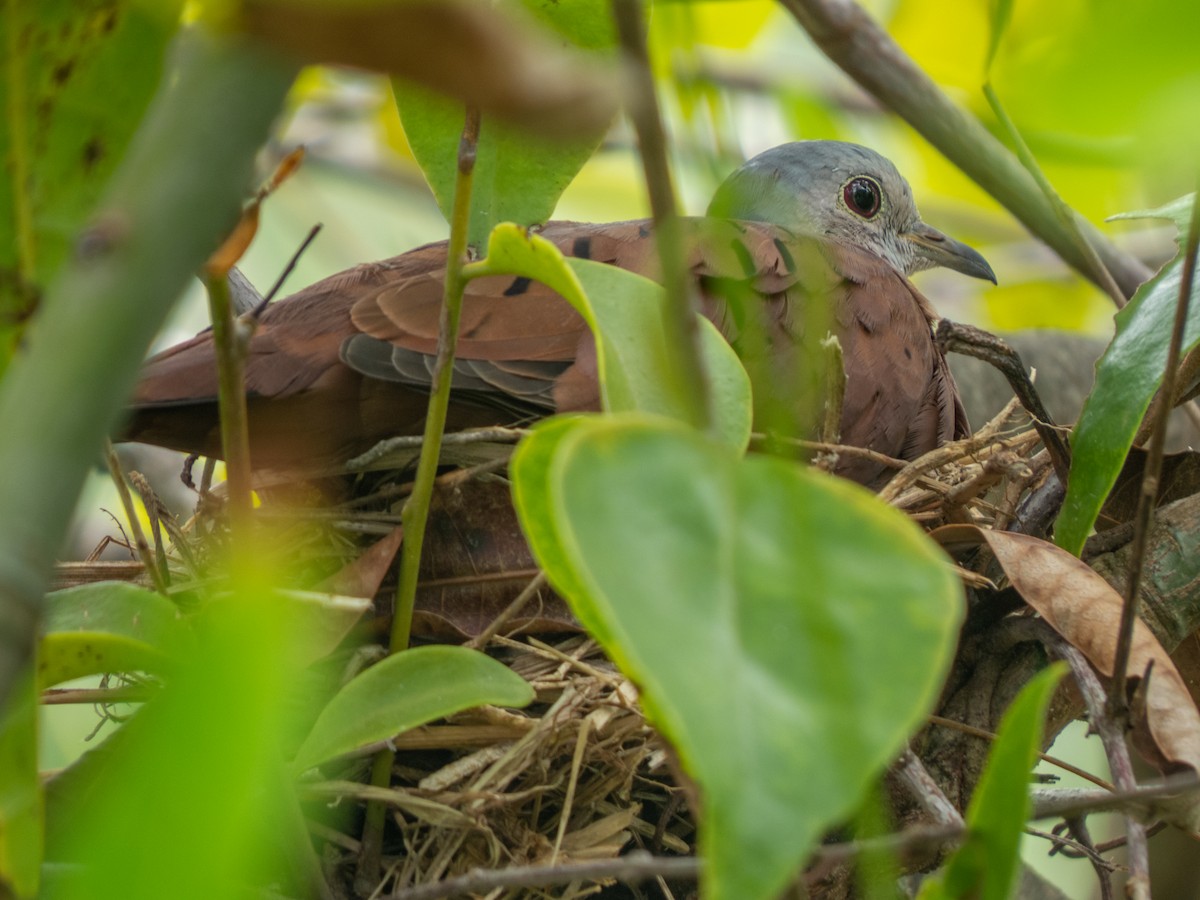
(579,775)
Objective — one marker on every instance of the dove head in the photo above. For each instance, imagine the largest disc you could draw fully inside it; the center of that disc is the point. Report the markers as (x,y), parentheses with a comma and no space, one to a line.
(844,194)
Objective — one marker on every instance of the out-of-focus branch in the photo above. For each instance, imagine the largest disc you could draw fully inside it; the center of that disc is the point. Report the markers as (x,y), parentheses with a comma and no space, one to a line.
(178,190)
(855,42)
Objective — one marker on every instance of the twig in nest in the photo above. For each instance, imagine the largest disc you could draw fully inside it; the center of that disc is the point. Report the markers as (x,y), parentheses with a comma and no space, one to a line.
(970,341)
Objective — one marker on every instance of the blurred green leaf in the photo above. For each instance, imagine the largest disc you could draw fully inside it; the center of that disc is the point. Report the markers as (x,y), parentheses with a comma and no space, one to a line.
(196,775)
(625,310)
(1127,378)
(786,630)
(518,177)
(110,626)
(78,76)
(985,866)
(406,690)
(1136,59)
(21,805)
(1001,16)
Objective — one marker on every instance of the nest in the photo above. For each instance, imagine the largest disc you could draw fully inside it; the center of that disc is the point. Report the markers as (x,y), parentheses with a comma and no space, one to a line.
(579,775)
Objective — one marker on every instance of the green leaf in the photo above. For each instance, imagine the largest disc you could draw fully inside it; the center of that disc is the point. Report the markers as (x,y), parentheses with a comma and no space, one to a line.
(517,178)
(1178,211)
(1001,16)
(406,690)
(202,761)
(21,805)
(110,626)
(985,866)
(78,76)
(625,310)
(1138,85)
(1127,378)
(787,631)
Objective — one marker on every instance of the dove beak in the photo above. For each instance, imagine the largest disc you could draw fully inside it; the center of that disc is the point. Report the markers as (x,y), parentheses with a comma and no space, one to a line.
(936,249)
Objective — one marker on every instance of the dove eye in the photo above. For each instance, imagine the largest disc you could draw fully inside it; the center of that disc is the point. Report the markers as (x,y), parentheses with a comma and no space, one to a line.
(862,195)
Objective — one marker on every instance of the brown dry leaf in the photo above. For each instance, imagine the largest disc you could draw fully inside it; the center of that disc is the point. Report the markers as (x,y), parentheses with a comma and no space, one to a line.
(363,576)
(489,58)
(474,564)
(1083,608)
(239,239)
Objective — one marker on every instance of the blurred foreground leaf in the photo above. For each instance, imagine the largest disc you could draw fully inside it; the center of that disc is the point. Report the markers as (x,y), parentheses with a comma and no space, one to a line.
(109,626)
(518,176)
(21,804)
(406,690)
(78,77)
(196,774)
(1138,61)
(1127,378)
(787,631)
(985,866)
(625,312)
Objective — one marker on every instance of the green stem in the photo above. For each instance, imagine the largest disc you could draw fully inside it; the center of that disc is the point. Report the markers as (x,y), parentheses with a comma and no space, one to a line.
(1097,271)
(416,510)
(681,325)
(231,403)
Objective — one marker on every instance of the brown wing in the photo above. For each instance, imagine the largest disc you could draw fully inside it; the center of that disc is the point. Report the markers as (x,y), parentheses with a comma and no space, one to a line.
(348,360)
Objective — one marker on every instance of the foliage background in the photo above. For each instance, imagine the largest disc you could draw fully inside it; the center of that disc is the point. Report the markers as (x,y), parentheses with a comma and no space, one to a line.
(735,78)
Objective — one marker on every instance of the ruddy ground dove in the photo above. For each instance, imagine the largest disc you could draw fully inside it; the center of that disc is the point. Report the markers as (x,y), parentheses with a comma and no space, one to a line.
(810,232)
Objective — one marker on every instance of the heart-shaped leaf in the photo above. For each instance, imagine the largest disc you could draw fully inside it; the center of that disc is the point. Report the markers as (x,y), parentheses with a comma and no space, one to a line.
(517,177)
(406,690)
(625,312)
(787,630)
(109,626)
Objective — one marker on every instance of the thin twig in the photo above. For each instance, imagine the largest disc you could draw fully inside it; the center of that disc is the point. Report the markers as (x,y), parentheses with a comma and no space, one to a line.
(984,734)
(638,866)
(149,563)
(1112,735)
(1144,517)
(1058,804)
(287,270)
(970,341)
(1097,271)
(681,323)
(527,593)
(920,785)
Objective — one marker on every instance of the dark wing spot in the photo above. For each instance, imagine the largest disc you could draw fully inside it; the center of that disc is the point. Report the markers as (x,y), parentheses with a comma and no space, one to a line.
(643,231)
(907,353)
(93,152)
(519,286)
(582,248)
(786,255)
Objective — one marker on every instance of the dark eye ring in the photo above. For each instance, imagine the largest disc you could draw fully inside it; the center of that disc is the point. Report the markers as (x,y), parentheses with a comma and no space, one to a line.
(863,196)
